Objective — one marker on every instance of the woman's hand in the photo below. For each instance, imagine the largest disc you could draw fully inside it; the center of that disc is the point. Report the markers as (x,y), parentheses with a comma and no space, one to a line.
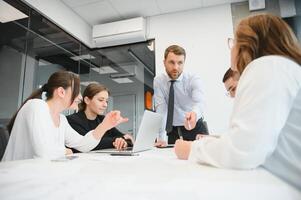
(128,137)
(182,149)
(113,119)
(120,143)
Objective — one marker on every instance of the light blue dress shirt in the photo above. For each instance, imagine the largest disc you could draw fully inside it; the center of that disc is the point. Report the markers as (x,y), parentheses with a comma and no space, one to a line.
(189,96)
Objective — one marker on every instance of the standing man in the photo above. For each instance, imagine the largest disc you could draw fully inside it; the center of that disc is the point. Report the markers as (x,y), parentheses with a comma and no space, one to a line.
(179,99)
(230,81)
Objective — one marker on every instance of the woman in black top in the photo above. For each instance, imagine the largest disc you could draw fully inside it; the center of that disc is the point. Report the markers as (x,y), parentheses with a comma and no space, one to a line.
(94,104)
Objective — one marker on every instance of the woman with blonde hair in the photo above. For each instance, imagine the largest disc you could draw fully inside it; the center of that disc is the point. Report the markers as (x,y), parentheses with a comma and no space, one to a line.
(265,128)
(39,130)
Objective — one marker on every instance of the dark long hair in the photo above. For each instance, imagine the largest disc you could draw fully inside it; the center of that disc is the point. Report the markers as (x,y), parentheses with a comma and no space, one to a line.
(90,91)
(58,79)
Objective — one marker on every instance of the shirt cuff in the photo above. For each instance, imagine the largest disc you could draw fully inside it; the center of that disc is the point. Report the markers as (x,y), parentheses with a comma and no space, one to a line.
(194,151)
(163,136)
(200,153)
(198,113)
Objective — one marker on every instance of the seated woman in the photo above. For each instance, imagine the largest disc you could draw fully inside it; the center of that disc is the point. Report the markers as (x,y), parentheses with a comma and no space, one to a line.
(265,126)
(90,115)
(39,130)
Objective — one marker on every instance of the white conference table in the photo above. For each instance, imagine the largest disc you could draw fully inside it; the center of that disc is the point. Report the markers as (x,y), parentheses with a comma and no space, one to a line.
(155,174)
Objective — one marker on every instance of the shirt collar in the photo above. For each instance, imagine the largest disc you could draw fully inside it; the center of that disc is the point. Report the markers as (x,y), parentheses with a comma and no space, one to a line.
(179,79)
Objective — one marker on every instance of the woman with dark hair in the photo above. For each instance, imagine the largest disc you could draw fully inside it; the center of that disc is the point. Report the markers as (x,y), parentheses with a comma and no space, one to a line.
(39,130)
(265,128)
(90,115)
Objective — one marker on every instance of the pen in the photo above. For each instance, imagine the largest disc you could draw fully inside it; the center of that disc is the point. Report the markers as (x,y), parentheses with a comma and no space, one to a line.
(180,133)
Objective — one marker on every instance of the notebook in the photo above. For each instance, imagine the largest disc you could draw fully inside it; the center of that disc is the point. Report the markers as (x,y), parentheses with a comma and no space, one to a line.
(149,128)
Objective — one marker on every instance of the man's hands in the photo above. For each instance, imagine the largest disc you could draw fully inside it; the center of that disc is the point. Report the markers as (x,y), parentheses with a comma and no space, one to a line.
(190,120)
(160,143)
(189,124)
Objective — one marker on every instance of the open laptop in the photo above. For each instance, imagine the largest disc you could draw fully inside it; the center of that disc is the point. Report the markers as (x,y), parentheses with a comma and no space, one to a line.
(145,139)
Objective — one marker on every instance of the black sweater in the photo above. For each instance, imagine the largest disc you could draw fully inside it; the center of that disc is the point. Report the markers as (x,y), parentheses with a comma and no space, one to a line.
(82,125)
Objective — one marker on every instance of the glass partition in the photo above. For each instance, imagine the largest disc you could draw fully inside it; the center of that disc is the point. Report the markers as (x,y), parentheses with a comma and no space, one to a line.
(12,59)
(32,48)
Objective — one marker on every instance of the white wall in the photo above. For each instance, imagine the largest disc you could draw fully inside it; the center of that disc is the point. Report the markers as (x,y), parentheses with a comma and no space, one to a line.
(203,33)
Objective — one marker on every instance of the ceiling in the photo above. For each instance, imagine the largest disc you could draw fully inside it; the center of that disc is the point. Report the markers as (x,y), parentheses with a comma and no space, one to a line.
(104,11)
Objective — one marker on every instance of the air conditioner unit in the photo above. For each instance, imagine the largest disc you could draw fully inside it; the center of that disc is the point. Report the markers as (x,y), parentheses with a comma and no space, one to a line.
(120,32)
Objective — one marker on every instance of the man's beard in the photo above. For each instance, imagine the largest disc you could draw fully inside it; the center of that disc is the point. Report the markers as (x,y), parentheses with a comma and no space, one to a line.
(174,75)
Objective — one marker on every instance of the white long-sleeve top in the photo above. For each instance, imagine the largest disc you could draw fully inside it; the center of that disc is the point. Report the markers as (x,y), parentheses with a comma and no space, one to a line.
(265,126)
(35,135)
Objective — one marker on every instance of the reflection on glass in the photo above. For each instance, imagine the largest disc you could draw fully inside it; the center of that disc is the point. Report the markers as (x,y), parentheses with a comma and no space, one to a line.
(126,76)
(33,48)
(12,56)
(44,58)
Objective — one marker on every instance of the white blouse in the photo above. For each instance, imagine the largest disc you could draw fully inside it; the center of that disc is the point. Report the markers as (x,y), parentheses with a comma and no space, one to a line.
(35,135)
(265,126)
